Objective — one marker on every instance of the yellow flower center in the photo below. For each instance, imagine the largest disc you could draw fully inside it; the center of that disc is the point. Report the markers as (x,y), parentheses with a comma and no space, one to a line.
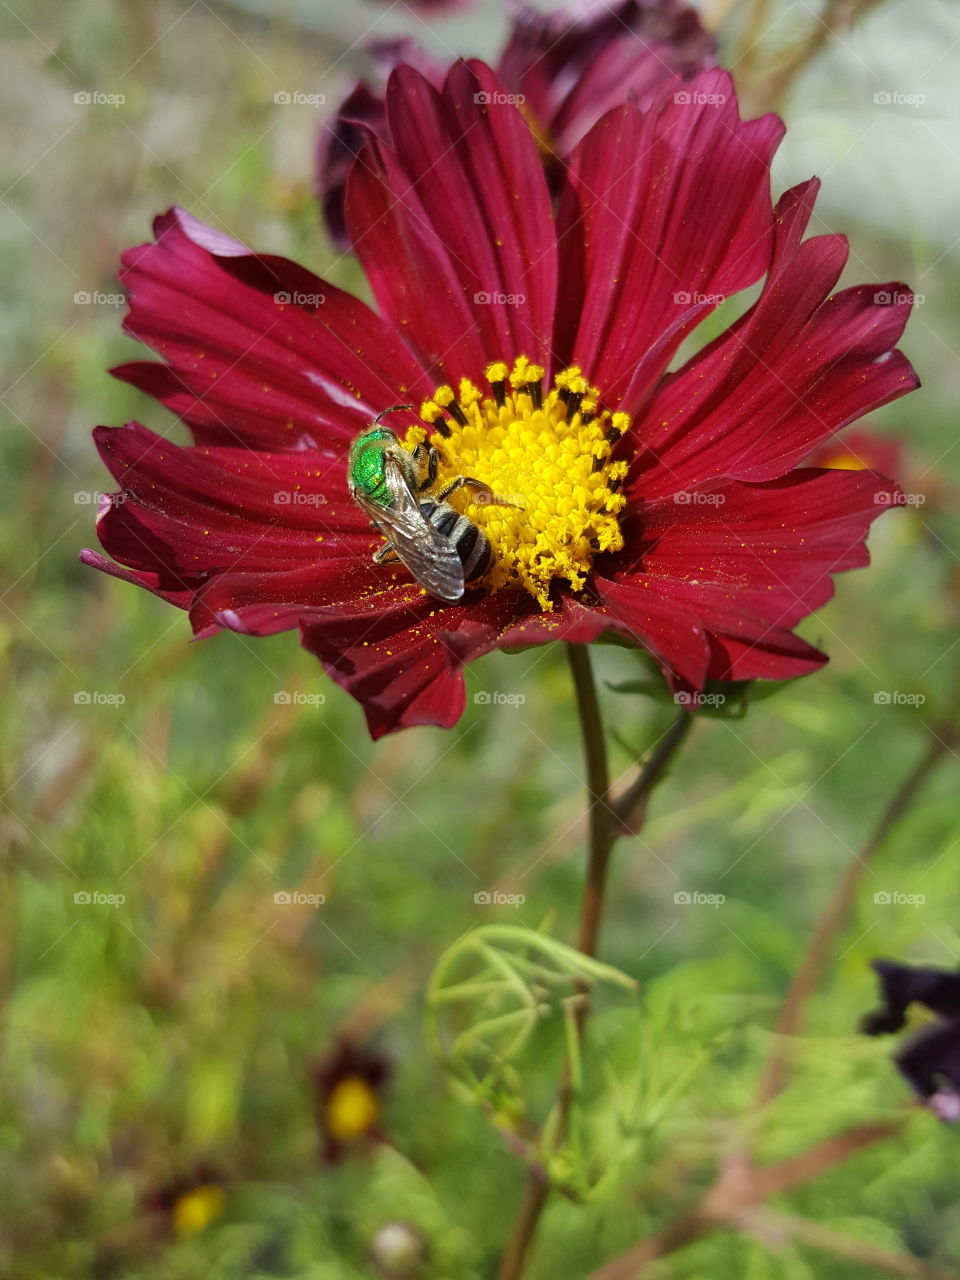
(196,1209)
(548,454)
(352,1109)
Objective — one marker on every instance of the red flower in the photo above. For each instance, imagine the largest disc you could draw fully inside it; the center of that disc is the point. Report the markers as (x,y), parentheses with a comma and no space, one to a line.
(662,507)
(565,68)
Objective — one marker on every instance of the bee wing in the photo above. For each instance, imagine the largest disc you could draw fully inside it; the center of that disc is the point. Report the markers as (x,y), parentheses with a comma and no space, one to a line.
(430,557)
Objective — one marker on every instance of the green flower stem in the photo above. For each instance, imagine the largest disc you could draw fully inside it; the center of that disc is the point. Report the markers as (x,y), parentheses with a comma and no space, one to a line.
(608,819)
(599,813)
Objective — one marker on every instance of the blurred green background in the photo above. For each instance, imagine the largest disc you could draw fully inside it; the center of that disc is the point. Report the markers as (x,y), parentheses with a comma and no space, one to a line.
(171,1037)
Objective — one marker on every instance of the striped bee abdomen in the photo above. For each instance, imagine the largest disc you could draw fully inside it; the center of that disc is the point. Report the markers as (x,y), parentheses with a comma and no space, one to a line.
(472,546)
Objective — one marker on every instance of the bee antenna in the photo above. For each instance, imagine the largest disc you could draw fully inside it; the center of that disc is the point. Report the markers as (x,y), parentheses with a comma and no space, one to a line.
(393,409)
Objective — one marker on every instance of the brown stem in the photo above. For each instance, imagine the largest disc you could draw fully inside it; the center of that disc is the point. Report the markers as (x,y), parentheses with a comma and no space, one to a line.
(767,95)
(535,1194)
(608,820)
(740,1188)
(807,976)
(817,1235)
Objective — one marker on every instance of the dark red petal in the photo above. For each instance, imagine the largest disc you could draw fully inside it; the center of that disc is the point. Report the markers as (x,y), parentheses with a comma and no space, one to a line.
(746,564)
(453,225)
(665,213)
(242,366)
(796,368)
(402,659)
(153,582)
(261,603)
(779,655)
(655,621)
(232,501)
(228,528)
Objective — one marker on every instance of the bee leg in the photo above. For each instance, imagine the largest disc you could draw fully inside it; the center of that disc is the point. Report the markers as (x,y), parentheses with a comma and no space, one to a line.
(426,459)
(485,495)
(386,555)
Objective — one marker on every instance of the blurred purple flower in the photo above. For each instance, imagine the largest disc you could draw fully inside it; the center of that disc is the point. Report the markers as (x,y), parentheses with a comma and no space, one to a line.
(930,1060)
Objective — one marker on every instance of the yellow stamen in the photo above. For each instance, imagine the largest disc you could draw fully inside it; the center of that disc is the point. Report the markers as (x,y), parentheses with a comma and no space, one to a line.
(536,451)
(351,1110)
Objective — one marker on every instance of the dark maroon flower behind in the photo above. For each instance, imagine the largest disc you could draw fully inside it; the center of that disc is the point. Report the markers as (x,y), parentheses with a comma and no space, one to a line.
(930,1059)
(188,1204)
(566,68)
(671,510)
(431,7)
(349,1085)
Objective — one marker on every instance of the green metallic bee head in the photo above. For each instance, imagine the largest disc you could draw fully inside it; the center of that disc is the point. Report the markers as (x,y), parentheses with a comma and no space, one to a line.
(366,473)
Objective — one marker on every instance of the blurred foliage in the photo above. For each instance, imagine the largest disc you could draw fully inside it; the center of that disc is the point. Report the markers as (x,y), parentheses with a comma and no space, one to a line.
(170,1022)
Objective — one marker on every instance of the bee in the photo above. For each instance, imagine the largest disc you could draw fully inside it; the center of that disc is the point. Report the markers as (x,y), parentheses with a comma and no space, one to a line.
(398,491)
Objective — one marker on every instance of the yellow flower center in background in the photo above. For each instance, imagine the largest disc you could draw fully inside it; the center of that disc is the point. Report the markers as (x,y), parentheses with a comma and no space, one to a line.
(196,1209)
(548,453)
(843,460)
(546,144)
(352,1109)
